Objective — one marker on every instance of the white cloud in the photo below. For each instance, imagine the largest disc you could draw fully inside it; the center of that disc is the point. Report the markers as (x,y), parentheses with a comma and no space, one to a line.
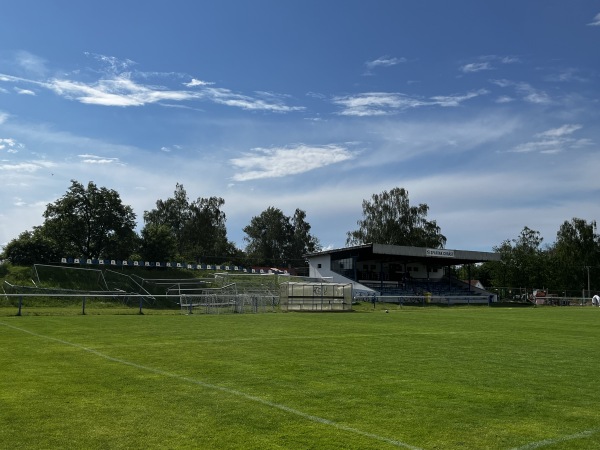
(196,82)
(280,162)
(384,61)
(31,64)
(112,64)
(485,63)
(93,159)
(509,60)
(476,67)
(24,91)
(456,100)
(10,145)
(118,91)
(560,131)
(29,167)
(504,99)
(555,140)
(227,97)
(527,92)
(596,21)
(375,103)
(385,103)
(119,88)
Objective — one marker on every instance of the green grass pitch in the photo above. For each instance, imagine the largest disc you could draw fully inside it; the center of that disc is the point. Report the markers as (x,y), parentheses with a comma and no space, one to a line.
(420,378)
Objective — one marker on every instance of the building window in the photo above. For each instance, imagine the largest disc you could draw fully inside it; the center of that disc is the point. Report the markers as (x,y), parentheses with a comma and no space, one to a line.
(341,265)
(319,266)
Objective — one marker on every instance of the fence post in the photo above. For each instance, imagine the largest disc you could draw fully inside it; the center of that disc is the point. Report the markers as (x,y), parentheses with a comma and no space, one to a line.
(141,304)
(83,307)
(20,305)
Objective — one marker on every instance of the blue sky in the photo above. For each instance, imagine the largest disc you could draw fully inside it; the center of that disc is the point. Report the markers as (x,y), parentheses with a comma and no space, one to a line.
(488,112)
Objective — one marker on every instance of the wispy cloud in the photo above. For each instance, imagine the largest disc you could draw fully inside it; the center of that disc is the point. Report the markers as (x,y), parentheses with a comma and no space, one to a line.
(488,62)
(26,166)
(566,75)
(383,61)
(24,91)
(279,162)
(386,103)
(596,21)
(116,86)
(554,140)
(456,100)
(528,93)
(118,91)
(476,67)
(504,99)
(111,64)
(560,131)
(10,145)
(196,82)
(94,159)
(31,64)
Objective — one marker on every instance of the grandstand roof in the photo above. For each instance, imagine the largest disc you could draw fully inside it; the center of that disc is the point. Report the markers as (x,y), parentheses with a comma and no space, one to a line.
(442,257)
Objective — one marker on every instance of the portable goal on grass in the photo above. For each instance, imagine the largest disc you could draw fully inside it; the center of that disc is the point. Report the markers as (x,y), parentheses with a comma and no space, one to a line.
(227,300)
(314,296)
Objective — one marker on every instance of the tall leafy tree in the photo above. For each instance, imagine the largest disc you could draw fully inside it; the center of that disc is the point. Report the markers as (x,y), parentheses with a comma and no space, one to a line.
(388,218)
(173,213)
(197,228)
(576,254)
(302,241)
(91,222)
(205,233)
(31,247)
(275,239)
(523,262)
(157,243)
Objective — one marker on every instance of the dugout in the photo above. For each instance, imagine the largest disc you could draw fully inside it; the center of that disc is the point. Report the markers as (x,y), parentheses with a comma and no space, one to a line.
(314,296)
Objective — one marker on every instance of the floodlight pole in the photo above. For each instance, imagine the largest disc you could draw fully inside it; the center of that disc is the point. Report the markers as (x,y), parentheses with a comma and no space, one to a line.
(588,276)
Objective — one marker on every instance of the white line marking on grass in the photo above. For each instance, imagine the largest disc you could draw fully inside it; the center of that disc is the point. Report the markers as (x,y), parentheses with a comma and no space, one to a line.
(222,389)
(545,442)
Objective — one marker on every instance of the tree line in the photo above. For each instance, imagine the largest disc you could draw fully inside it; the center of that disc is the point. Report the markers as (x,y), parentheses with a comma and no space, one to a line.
(92,222)
(569,266)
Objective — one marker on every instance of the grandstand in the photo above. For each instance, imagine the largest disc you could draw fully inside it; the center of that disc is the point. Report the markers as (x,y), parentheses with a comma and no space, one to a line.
(400,273)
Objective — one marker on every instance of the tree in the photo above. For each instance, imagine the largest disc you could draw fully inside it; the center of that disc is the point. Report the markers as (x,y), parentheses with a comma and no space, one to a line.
(575,253)
(157,243)
(197,228)
(173,213)
(389,219)
(302,241)
(275,239)
(523,262)
(31,247)
(205,233)
(91,222)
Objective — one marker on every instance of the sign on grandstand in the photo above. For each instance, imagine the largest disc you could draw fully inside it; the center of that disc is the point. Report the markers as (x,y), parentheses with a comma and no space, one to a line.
(439,252)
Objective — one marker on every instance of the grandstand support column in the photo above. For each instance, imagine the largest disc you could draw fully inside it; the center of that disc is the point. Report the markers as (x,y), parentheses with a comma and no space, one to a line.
(469,274)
